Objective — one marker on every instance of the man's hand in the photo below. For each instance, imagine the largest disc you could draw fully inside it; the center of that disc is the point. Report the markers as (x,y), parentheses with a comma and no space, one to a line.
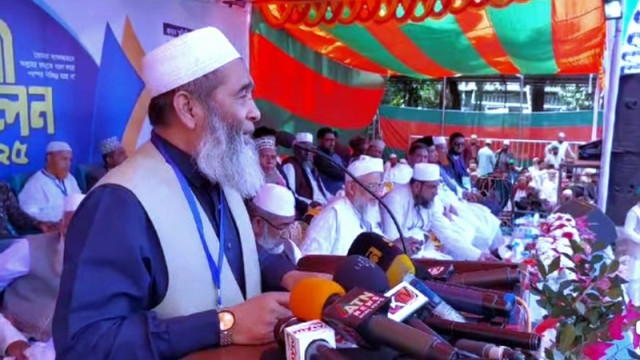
(256,317)
(17,349)
(290,279)
(47,226)
(487,256)
(413,245)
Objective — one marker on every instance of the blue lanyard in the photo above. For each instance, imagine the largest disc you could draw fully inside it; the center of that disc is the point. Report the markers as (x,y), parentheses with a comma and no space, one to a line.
(58,183)
(191,200)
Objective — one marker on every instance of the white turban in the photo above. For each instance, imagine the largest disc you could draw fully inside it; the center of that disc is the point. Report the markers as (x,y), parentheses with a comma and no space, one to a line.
(55,146)
(567,192)
(72,202)
(186,58)
(400,174)
(506,142)
(366,165)
(474,136)
(276,200)
(378,143)
(561,134)
(266,142)
(439,140)
(109,145)
(426,172)
(304,137)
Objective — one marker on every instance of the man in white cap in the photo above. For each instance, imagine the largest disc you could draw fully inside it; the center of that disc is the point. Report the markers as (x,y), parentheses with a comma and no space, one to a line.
(471,150)
(503,157)
(273,216)
(161,257)
(30,283)
(554,157)
(113,154)
(302,175)
(486,159)
(43,194)
(333,230)
(376,148)
(564,150)
(629,245)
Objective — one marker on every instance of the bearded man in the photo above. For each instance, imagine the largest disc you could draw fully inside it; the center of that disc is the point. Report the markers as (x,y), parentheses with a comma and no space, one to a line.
(347,215)
(161,260)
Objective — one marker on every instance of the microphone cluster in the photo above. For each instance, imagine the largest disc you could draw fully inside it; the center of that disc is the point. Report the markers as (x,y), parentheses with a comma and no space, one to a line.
(378,297)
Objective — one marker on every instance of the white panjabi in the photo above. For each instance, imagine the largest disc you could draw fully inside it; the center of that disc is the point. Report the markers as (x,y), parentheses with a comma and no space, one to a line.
(276,200)
(186,58)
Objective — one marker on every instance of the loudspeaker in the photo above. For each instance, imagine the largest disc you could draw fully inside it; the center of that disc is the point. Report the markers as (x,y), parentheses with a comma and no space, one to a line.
(624,170)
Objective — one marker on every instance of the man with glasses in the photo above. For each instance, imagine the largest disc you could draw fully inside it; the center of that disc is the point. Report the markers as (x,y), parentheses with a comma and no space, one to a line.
(273,215)
(457,168)
(332,231)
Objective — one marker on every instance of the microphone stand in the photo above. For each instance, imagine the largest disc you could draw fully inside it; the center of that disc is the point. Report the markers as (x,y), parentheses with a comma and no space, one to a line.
(355,179)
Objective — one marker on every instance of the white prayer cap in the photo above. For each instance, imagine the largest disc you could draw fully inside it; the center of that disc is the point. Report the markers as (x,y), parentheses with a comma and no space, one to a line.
(304,137)
(72,202)
(439,140)
(506,142)
(426,172)
(567,192)
(265,142)
(186,58)
(590,171)
(109,145)
(487,142)
(276,200)
(58,146)
(393,156)
(366,165)
(378,143)
(400,174)
(474,136)
(561,134)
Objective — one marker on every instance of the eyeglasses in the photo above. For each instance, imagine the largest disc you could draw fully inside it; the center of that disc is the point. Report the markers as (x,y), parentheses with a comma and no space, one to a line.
(374,186)
(289,231)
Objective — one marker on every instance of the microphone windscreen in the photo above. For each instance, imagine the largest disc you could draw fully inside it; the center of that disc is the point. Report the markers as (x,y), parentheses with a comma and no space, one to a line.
(399,268)
(376,248)
(285,139)
(309,296)
(358,271)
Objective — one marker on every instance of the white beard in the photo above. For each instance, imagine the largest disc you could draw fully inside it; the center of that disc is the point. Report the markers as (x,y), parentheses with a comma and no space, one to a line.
(227,158)
(369,212)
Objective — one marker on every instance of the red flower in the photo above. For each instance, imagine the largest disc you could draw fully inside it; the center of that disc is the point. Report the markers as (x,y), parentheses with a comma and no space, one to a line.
(530,262)
(596,350)
(568,235)
(548,323)
(545,228)
(616,327)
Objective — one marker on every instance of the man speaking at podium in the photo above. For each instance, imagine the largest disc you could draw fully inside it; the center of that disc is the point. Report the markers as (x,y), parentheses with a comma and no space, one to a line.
(161,260)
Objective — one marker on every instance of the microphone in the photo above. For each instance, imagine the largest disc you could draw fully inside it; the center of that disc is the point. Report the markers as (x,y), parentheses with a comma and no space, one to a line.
(488,278)
(405,300)
(473,301)
(287,140)
(383,253)
(356,316)
(488,350)
(436,305)
(312,340)
(480,332)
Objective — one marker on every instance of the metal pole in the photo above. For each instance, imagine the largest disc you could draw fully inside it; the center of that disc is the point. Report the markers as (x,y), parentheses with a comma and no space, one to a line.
(596,111)
(444,104)
(520,147)
(611,98)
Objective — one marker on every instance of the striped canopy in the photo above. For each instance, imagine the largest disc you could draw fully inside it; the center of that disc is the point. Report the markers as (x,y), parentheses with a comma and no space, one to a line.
(334,74)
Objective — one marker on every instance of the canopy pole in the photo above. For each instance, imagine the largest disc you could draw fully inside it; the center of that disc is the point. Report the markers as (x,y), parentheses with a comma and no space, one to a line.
(611,98)
(444,104)
(596,110)
(520,145)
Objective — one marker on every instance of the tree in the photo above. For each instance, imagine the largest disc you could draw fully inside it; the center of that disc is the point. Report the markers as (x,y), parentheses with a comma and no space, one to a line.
(576,97)
(419,93)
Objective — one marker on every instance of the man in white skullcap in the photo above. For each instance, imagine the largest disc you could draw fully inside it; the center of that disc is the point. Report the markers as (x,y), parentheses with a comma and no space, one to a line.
(113,154)
(486,159)
(376,148)
(347,215)
(44,193)
(30,284)
(393,161)
(162,260)
(273,216)
(629,246)
(504,156)
(471,150)
(563,148)
(302,175)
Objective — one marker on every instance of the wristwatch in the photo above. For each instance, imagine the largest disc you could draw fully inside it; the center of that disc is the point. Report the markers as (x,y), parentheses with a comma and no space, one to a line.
(227,321)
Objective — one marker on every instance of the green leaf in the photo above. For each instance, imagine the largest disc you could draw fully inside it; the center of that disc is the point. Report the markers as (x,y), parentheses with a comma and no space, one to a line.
(575,247)
(593,296)
(613,267)
(614,293)
(567,335)
(632,354)
(581,308)
(596,259)
(548,354)
(568,256)
(542,269)
(603,269)
(555,265)
(598,246)
(565,285)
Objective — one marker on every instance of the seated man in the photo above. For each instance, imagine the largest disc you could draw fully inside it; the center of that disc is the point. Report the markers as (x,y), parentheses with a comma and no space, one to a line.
(10,212)
(30,297)
(113,154)
(376,148)
(302,176)
(332,231)
(273,214)
(43,195)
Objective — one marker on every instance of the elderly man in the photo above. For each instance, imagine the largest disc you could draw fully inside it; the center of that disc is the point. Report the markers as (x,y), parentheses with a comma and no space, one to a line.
(273,215)
(113,154)
(376,148)
(419,152)
(33,278)
(166,235)
(302,176)
(43,195)
(333,230)
(486,159)
(504,157)
(631,246)
(564,150)
(332,175)
(554,157)
(471,150)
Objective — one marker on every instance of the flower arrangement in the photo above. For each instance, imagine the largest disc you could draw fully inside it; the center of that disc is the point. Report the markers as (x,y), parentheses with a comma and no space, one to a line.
(580,288)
